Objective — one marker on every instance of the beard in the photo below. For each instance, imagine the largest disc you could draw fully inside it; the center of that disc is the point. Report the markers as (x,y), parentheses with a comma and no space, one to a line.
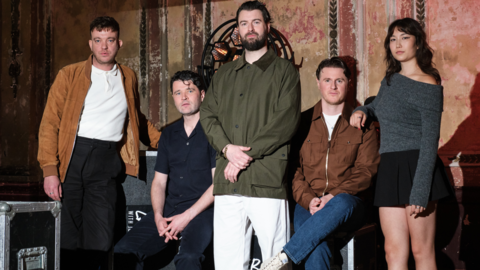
(254,45)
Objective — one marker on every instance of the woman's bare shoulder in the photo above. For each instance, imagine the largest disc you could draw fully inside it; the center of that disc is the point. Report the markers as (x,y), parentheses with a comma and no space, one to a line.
(424,78)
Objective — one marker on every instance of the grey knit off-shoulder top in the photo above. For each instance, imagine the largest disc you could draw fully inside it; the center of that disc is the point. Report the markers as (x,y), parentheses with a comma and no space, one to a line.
(409,113)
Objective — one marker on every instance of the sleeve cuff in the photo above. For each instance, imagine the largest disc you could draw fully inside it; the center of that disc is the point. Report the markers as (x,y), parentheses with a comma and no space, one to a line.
(362,109)
(222,143)
(336,191)
(50,170)
(306,199)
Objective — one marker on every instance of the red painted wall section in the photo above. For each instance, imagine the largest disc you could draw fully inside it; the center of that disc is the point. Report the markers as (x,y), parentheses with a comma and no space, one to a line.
(455,36)
(346,28)
(376,24)
(404,9)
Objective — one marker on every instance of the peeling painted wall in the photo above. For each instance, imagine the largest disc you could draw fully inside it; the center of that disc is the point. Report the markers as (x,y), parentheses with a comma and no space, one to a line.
(304,24)
(175,33)
(19,116)
(164,36)
(457,46)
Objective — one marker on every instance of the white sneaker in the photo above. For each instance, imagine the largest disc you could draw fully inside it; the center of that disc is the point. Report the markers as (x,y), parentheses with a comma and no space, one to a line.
(277,262)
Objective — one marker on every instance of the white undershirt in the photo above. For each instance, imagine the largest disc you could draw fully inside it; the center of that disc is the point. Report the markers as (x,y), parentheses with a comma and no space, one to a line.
(105,107)
(330,120)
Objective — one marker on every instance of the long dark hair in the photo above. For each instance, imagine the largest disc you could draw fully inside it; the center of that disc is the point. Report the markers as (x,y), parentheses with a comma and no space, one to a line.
(424,53)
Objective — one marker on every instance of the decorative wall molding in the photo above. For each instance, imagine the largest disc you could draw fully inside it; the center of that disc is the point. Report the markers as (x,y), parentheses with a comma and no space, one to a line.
(333,27)
(14,70)
(143,53)
(164,89)
(48,61)
(188,37)
(420,11)
(462,159)
(208,28)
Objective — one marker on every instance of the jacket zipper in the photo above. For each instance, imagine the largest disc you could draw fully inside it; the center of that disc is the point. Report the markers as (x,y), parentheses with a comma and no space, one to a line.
(326,169)
(328,152)
(76,131)
(326,161)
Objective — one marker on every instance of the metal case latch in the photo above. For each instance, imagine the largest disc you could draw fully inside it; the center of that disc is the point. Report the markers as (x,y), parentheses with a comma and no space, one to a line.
(32,258)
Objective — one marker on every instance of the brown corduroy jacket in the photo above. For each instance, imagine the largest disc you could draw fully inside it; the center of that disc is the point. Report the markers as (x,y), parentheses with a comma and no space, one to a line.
(345,164)
(58,129)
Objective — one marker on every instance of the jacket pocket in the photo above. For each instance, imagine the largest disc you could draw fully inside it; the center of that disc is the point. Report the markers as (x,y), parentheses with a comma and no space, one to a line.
(312,151)
(347,148)
(270,170)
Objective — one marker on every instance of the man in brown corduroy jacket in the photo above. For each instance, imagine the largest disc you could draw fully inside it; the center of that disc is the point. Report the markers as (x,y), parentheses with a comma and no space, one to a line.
(89,136)
(336,162)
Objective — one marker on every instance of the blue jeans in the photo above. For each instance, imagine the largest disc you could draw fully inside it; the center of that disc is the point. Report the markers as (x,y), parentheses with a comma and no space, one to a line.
(343,212)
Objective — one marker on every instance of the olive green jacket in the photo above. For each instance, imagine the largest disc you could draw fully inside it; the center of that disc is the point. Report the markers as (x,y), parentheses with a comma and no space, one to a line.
(255,105)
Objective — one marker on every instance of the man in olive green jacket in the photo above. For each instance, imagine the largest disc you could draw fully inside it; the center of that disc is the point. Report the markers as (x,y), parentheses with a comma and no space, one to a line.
(249,114)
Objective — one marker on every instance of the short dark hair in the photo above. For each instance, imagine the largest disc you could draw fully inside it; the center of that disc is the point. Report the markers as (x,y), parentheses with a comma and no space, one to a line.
(187,75)
(334,62)
(253,5)
(105,23)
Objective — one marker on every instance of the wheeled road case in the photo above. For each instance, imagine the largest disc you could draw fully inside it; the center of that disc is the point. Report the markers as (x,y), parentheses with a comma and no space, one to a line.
(29,235)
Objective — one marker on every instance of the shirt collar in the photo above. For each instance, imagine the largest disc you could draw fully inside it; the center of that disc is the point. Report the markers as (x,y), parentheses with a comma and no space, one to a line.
(180,127)
(113,71)
(346,112)
(263,63)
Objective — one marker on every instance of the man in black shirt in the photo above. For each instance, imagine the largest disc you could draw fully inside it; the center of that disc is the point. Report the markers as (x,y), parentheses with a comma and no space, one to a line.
(186,161)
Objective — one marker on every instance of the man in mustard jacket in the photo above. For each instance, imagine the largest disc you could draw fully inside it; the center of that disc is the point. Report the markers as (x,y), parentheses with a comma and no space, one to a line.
(89,136)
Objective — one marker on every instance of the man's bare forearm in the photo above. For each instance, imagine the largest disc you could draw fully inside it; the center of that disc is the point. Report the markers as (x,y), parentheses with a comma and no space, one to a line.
(157,193)
(204,202)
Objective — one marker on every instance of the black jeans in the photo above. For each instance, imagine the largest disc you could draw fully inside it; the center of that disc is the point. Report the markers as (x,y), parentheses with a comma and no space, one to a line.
(88,202)
(143,241)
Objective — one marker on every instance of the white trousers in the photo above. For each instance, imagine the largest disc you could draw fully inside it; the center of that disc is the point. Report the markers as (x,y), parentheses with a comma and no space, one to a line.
(234,219)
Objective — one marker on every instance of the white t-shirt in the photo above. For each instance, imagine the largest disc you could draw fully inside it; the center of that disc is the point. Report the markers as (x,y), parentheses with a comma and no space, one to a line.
(105,107)
(330,120)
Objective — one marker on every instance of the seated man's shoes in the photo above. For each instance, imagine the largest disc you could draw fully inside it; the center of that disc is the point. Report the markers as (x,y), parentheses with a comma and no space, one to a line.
(277,262)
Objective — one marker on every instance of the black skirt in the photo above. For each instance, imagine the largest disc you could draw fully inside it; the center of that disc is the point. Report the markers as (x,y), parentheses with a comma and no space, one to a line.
(395,179)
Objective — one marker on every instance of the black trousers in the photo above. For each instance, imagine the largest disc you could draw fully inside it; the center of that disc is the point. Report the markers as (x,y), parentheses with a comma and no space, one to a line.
(88,202)
(142,242)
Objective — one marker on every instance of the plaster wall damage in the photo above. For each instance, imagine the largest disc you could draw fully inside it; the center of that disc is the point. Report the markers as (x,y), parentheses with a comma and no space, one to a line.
(174,33)
(164,36)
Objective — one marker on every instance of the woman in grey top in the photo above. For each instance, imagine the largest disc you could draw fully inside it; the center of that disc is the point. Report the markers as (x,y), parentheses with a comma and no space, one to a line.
(411,178)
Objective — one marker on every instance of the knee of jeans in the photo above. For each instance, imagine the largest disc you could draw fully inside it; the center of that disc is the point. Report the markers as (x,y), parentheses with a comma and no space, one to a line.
(345,201)
(189,257)
(299,218)
(122,247)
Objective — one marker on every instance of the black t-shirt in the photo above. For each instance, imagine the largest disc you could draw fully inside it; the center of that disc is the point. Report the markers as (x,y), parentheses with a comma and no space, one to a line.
(188,161)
